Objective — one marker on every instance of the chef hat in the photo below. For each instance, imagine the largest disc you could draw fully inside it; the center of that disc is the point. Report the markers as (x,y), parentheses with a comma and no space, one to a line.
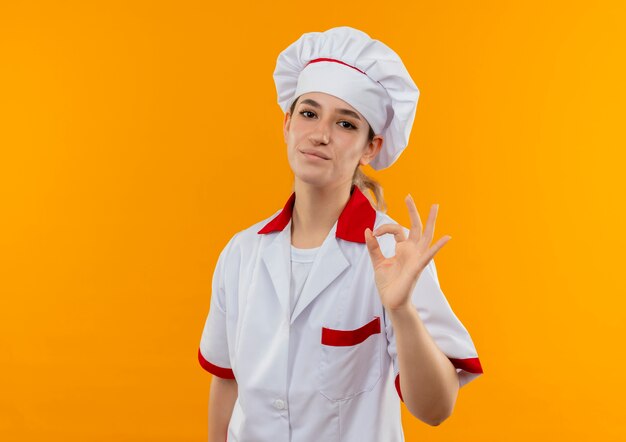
(363,72)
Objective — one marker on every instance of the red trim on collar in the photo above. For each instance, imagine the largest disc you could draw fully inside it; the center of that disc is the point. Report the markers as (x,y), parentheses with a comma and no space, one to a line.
(357,215)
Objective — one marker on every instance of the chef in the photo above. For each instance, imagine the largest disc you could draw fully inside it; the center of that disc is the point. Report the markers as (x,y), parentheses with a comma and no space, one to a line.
(327,314)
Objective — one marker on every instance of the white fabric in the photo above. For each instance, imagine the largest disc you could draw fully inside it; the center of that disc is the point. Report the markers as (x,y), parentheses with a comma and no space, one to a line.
(385,94)
(301,263)
(292,387)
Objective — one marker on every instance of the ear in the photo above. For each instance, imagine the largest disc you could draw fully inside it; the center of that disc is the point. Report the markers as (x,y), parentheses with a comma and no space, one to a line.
(286,124)
(371,150)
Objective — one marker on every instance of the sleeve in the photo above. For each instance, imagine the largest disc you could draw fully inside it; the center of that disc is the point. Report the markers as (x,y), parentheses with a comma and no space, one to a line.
(213,353)
(443,326)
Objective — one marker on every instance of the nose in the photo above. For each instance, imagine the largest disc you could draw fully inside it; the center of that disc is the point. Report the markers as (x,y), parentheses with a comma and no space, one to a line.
(320,134)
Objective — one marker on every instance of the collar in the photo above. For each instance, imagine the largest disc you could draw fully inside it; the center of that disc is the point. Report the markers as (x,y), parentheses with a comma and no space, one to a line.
(356,216)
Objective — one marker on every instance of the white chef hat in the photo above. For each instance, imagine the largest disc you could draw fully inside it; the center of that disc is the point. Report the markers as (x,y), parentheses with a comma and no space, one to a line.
(363,72)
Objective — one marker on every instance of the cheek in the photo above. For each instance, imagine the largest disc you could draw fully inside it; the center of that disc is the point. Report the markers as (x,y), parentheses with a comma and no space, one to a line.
(296,132)
(347,160)
(289,140)
(353,146)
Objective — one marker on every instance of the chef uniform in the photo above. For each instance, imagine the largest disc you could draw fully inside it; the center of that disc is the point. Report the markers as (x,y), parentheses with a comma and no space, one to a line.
(304,332)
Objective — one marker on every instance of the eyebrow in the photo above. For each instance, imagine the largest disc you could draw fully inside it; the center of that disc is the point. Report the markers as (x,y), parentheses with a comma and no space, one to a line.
(341,111)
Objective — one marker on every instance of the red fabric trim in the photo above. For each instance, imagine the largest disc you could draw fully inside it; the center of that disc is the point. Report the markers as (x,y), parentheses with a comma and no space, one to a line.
(280,221)
(356,216)
(221,372)
(343,338)
(336,61)
(398,386)
(471,365)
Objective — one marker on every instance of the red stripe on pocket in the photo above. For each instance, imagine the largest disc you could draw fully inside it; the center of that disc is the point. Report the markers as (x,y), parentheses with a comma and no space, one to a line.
(343,338)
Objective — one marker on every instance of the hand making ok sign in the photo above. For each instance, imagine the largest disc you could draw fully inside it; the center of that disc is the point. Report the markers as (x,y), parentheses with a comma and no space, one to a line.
(396,276)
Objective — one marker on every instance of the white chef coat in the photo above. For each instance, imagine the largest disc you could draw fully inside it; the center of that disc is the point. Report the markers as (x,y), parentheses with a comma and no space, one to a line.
(301,263)
(329,370)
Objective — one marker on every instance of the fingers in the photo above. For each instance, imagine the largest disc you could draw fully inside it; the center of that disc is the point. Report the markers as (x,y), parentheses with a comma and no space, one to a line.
(396,229)
(373,247)
(429,231)
(436,247)
(415,232)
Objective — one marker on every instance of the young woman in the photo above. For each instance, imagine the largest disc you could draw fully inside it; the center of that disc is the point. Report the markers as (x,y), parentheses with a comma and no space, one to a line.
(317,309)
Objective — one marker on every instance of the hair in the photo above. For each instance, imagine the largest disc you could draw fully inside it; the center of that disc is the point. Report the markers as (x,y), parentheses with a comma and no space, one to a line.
(360,179)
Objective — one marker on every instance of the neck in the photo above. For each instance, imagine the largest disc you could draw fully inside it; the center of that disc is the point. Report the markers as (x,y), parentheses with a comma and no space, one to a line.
(315,211)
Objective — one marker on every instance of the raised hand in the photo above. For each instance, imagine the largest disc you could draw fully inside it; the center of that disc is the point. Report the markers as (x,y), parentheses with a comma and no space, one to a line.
(396,276)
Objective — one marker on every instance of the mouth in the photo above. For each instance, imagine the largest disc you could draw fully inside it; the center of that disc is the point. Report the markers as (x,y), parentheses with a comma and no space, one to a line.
(313,155)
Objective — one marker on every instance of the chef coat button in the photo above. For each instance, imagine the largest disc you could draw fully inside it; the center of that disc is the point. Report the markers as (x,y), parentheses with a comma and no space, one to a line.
(279,404)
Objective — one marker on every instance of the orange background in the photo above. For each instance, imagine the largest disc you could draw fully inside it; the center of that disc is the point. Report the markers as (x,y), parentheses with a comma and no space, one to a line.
(137,137)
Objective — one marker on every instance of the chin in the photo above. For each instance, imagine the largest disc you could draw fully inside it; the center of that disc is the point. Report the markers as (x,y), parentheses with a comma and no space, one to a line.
(312,179)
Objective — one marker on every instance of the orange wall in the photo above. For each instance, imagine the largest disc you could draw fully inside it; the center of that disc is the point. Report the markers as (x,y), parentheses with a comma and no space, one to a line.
(137,137)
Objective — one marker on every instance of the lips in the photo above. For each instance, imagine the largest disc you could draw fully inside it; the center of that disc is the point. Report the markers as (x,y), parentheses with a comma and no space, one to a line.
(317,154)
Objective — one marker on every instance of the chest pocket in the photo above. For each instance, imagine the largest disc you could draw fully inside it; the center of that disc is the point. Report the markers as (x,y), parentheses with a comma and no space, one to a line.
(350,360)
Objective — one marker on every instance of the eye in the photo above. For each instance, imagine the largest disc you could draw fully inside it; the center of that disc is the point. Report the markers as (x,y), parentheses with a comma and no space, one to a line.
(350,125)
(306,112)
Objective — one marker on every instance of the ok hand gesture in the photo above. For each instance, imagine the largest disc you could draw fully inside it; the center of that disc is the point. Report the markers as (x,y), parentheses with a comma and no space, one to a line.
(396,276)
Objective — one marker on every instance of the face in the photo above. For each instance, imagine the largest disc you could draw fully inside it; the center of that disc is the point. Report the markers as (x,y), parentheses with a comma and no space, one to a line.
(326,139)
